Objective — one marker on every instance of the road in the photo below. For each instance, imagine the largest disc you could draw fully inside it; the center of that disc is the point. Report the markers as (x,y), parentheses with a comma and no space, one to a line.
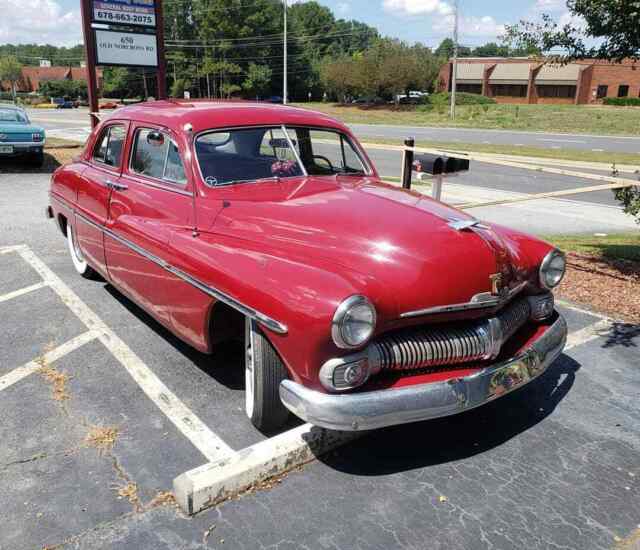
(79,119)
(501,137)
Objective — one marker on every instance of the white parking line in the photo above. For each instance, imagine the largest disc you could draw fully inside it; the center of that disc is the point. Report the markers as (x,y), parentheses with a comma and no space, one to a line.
(587,334)
(32,366)
(205,440)
(21,292)
(9,249)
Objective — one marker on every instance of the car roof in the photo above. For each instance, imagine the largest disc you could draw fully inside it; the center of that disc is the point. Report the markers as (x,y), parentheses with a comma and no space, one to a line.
(205,115)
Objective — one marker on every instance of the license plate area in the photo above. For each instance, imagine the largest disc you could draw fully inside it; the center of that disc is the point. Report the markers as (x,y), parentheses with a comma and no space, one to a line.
(6,149)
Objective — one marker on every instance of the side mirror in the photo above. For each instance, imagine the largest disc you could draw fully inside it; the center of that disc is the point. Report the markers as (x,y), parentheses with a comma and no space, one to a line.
(155,138)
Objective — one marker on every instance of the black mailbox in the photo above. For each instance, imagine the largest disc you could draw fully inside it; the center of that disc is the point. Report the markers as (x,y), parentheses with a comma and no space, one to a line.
(429,164)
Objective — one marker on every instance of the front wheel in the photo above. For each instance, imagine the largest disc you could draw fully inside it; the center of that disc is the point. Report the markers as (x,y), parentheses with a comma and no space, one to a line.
(264,371)
(80,264)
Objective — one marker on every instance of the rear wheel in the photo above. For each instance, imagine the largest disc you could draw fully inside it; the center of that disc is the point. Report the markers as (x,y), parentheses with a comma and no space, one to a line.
(264,371)
(81,265)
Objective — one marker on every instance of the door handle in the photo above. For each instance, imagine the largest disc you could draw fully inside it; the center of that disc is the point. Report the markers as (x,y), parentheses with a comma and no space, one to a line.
(116,186)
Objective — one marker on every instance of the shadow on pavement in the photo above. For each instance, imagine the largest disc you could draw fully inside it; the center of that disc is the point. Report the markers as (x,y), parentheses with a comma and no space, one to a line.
(411,446)
(623,334)
(230,353)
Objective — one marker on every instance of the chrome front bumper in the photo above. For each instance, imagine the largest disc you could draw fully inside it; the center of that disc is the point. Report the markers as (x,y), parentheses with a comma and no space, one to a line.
(376,409)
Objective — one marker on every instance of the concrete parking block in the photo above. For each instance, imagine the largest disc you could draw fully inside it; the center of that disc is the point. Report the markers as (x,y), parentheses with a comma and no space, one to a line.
(215,482)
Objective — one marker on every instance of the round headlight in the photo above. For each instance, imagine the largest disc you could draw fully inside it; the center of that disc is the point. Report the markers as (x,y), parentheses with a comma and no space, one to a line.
(353,323)
(552,269)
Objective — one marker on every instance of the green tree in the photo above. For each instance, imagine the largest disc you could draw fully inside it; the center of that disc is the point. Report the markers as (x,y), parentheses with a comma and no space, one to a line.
(611,24)
(115,82)
(10,71)
(258,79)
(445,49)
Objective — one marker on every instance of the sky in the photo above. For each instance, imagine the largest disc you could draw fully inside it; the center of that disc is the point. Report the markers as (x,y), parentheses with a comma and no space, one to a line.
(428,21)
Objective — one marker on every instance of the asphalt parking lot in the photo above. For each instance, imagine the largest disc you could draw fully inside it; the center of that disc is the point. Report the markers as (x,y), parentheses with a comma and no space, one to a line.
(102,409)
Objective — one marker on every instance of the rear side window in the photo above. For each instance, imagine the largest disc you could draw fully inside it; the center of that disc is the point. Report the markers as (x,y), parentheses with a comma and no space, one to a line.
(156,155)
(110,144)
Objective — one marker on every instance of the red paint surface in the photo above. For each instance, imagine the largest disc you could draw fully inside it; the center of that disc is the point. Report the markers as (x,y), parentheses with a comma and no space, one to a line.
(292,249)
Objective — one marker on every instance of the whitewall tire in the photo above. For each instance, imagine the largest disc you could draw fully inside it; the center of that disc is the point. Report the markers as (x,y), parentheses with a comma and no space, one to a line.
(264,371)
(77,258)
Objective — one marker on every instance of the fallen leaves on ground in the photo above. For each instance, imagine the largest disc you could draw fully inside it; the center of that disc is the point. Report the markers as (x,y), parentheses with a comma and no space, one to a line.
(102,437)
(606,285)
(56,378)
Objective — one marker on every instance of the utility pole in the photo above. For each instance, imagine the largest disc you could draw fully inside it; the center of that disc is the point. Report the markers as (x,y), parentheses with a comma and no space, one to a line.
(285,84)
(454,74)
(90,56)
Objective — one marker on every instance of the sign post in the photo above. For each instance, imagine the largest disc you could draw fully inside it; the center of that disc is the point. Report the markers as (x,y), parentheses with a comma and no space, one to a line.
(124,33)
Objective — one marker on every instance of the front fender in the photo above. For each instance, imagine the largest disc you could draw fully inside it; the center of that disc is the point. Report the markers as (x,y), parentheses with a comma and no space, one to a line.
(299,292)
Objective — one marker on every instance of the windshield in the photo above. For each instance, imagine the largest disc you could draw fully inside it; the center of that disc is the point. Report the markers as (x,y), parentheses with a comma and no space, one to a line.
(252,154)
(13,115)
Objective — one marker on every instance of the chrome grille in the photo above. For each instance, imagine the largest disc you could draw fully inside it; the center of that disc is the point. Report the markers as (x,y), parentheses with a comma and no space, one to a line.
(429,346)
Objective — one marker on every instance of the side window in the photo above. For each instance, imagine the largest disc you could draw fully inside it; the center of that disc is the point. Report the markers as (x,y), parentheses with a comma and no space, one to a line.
(275,145)
(109,147)
(156,156)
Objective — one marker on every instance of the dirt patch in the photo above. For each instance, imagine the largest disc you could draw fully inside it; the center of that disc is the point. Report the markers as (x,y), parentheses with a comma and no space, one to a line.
(607,285)
(632,542)
(130,492)
(56,378)
(101,437)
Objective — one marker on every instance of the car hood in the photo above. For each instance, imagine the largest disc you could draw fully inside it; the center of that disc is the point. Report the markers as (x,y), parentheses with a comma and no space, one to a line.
(401,239)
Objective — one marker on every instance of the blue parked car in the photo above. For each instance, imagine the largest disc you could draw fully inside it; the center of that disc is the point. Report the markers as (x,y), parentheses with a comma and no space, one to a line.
(19,138)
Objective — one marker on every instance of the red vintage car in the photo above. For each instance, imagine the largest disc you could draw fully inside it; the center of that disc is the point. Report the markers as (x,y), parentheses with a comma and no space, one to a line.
(361,304)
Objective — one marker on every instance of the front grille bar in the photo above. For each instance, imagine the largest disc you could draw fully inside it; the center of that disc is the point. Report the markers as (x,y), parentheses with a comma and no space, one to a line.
(429,346)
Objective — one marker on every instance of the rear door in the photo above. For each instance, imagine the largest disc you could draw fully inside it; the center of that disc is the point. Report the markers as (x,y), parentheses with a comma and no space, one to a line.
(104,168)
(151,200)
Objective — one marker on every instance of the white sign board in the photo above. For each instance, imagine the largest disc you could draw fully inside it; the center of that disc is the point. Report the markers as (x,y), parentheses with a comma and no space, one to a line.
(126,48)
(125,12)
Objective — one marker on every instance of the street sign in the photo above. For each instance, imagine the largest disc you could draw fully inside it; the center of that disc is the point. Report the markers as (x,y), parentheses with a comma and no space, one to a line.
(126,49)
(141,13)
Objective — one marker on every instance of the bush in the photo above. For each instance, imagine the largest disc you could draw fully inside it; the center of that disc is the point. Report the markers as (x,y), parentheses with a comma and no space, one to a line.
(462,98)
(622,101)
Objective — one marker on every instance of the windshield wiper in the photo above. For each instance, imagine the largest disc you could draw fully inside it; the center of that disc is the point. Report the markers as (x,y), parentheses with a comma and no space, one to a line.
(256,180)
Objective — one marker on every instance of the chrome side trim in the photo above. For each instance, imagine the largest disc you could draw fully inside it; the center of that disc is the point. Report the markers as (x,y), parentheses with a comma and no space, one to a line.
(248,311)
(479,301)
(23,143)
(462,225)
(377,409)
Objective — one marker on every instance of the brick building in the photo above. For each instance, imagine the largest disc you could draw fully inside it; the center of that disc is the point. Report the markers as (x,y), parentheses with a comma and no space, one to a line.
(524,80)
(32,77)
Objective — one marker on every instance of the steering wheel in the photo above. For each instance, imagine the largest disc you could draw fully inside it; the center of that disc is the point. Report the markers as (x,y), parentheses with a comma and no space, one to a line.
(326,160)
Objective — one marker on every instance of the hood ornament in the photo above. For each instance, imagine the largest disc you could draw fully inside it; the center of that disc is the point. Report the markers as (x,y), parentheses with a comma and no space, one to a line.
(463,225)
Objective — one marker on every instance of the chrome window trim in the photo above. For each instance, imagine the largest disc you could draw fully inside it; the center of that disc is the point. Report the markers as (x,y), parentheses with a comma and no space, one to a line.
(295,153)
(479,301)
(134,173)
(270,323)
(356,148)
(369,171)
(157,184)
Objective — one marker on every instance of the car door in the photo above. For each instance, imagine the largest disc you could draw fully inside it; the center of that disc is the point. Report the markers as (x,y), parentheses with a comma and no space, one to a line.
(103,169)
(152,199)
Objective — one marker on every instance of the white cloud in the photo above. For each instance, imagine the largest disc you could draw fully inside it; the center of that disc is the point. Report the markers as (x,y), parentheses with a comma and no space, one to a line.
(343,8)
(485,27)
(550,6)
(40,22)
(416,7)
